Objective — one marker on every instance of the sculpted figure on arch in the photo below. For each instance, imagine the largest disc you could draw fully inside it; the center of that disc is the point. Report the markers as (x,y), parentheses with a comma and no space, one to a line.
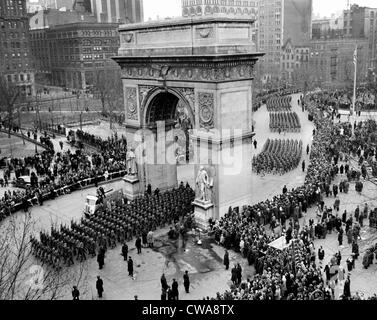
(131,162)
(203,185)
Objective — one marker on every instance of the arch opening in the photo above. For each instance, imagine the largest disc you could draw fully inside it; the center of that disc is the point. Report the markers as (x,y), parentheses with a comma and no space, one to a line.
(175,111)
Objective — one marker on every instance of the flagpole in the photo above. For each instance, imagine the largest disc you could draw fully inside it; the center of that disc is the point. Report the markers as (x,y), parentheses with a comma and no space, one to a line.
(354,82)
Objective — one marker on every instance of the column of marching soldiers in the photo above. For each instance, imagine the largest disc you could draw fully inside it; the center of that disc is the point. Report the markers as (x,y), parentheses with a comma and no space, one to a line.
(119,222)
(280,156)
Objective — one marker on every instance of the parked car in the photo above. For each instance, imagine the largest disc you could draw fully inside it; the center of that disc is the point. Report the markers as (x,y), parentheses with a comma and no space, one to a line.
(22,182)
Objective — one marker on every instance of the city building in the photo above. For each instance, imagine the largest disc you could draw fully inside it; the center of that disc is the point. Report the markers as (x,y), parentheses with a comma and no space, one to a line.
(15,59)
(361,22)
(278,22)
(293,58)
(68,54)
(331,60)
(328,27)
(34,6)
(118,11)
(40,23)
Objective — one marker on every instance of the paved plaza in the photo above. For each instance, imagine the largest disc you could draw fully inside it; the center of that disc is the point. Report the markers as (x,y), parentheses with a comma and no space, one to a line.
(205,262)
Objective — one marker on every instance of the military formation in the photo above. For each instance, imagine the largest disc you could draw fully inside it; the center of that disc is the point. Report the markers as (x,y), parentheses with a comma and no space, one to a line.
(279,104)
(278,156)
(118,222)
(284,122)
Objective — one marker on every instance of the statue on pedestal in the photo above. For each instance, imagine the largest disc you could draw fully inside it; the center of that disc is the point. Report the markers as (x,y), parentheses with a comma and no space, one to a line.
(203,185)
(131,163)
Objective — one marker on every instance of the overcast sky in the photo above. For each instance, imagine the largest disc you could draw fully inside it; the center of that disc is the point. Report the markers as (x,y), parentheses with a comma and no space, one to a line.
(172,8)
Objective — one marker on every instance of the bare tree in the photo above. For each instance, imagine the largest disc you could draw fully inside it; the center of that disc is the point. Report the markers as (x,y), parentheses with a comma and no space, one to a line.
(304,77)
(10,98)
(349,69)
(108,84)
(21,276)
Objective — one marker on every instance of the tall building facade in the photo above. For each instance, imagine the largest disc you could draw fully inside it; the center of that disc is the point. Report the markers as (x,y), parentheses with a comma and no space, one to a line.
(70,47)
(361,22)
(331,60)
(118,11)
(15,60)
(280,21)
(40,24)
(277,21)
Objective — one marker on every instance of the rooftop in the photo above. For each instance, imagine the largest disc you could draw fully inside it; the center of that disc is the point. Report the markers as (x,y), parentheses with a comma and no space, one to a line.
(197,36)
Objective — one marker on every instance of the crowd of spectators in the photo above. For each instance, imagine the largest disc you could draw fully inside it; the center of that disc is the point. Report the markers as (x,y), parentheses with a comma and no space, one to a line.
(54,174)
(291,273)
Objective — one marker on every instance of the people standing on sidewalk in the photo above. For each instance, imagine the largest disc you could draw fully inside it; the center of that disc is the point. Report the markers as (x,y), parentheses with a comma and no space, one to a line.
(130,267)
(99,286)
(186,282)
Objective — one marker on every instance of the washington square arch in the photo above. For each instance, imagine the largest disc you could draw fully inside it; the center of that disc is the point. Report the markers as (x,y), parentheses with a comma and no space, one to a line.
(191,79)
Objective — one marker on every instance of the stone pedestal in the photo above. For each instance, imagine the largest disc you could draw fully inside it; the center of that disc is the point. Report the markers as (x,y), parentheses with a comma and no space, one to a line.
(132,187)
(203,212)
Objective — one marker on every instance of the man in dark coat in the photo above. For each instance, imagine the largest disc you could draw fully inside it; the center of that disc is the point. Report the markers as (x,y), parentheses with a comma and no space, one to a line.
(75,293)
(335,190)
(164,283)
(344,216)
(303,166)
(327,271)
(174,288)
(130,267)
(239,274)
(234,277)
(125,251)
(99,287)
(347,288)
(101,260)
(340,237)
(226,260)
(138,245)
(186,281)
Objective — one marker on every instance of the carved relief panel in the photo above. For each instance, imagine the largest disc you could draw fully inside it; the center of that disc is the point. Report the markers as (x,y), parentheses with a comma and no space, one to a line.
(130,94)
(206,110)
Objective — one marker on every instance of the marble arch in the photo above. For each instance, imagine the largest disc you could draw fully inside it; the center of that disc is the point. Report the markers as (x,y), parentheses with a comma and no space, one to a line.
(198,62)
